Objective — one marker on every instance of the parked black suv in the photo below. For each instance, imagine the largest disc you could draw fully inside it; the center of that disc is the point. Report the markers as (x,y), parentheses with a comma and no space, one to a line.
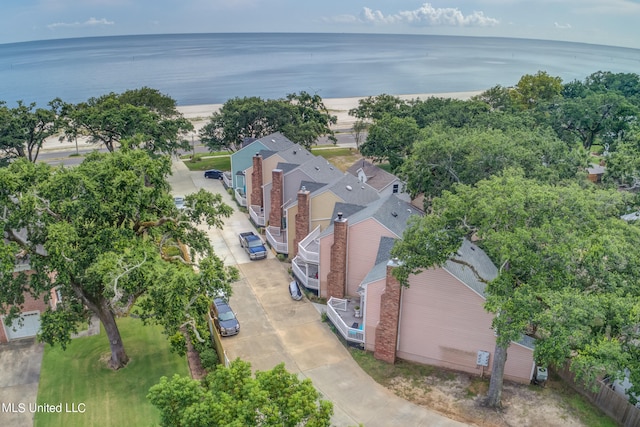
(213,174)
(224,318)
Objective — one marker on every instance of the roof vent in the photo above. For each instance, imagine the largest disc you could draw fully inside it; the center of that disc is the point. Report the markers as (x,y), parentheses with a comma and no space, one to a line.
(394,214)
(317,168)
(349,188)
(339,216)
(295,152)
(362,187)
(273,140)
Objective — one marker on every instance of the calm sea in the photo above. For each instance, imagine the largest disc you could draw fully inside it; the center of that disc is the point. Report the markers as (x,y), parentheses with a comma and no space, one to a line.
(211,68)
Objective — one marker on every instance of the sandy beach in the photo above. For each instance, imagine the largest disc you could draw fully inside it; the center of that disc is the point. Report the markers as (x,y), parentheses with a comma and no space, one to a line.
(199,114)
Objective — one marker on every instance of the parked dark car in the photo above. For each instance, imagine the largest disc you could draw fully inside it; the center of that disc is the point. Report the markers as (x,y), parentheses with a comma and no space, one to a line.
(224,318)
(213,174)
(294,290)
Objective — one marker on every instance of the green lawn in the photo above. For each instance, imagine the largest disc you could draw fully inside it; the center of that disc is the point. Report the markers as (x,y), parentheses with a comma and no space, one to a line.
(111,398)
(221,163)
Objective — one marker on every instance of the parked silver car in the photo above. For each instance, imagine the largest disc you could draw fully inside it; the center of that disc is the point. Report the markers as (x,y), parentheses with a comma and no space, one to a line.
(294,291)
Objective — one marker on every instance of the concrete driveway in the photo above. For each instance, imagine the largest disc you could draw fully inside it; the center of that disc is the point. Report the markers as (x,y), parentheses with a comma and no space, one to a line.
(276,329)
(20,363)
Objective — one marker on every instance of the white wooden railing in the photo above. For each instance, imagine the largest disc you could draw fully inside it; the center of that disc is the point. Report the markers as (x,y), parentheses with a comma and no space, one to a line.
(309,247)
(350,334)
(257,214)
(308,282)
(226,177)
(274,237)
(242,200)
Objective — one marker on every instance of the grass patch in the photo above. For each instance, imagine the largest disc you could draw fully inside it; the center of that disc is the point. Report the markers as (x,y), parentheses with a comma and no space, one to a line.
(220,163)
(341,157)
(115,398)
(384,373)
(589,414)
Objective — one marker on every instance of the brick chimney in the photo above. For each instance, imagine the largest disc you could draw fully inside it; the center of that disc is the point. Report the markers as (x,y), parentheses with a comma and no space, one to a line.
(256,182)
(387,329)
(275,213)
(337,277)
(302,218)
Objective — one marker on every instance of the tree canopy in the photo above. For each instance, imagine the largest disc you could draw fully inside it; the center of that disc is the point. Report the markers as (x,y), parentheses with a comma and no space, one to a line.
(301,117)
(567,274)
(232,397)
(108,238)
(442,157)
(140,118)
(23,129)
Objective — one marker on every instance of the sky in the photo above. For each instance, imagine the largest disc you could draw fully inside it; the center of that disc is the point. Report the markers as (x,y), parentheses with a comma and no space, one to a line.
(607,22)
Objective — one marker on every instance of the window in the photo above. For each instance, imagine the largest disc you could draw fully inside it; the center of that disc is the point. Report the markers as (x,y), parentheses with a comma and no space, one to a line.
(396,188)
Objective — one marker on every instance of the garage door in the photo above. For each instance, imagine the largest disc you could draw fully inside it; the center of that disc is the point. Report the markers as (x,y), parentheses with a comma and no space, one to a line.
(29,327)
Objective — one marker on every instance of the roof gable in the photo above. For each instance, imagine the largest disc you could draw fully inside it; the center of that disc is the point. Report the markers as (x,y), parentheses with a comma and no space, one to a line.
(373,175)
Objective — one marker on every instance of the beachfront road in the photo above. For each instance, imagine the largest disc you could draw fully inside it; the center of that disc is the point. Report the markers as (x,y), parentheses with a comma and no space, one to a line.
(55,153)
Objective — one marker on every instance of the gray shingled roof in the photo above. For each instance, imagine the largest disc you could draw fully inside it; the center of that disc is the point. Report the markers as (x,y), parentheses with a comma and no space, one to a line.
(472,266)
(296,154)
(318,169)
(266,153)
(377,177)
(311,186)
(390,211)
(286,167)
(349,189)
(347,209)
(276,142)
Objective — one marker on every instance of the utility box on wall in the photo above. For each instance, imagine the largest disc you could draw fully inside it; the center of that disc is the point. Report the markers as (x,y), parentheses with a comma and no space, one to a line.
(483,358)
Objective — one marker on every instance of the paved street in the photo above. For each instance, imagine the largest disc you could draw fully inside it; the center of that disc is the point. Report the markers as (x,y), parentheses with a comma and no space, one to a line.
(276,329)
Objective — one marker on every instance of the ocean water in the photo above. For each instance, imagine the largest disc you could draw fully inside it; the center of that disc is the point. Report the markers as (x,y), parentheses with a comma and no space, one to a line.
(212,68)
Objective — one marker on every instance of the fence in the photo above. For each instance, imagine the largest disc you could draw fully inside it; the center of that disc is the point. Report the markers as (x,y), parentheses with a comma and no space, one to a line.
(217,342)
(611,403)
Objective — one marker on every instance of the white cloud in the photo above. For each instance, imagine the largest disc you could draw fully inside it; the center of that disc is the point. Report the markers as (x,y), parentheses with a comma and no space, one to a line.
(91,22)
(427,15)
(562,26)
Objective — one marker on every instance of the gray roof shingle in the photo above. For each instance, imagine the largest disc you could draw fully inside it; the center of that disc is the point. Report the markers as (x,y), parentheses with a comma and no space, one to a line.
(377,177)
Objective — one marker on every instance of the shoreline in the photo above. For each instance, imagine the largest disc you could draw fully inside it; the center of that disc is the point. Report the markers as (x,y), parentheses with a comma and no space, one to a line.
(199,114)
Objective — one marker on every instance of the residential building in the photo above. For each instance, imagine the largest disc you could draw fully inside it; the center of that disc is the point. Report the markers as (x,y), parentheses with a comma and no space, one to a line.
(243,159)
(384,182)
(438,320)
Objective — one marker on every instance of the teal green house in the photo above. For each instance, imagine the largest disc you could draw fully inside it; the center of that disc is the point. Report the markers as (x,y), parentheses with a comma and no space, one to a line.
(242,159)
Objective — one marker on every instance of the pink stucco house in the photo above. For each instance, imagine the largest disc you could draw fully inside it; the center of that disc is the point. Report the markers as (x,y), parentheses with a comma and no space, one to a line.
(439,319)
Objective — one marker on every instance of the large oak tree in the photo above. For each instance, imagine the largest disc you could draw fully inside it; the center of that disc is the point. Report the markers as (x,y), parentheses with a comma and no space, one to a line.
(106,236)
(568,274)
(301,117)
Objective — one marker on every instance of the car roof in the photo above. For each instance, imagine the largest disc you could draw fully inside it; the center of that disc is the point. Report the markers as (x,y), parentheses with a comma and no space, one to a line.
(221,304)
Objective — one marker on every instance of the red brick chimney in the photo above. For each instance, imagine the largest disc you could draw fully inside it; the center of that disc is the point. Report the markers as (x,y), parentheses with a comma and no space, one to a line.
(302,218)
(337,277)
(387,329)
(256,182)
(275,213)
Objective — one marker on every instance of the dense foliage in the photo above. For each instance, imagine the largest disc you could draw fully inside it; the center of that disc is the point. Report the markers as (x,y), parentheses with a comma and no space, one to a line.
(568,275)
(232,397)
(106,236)
(302,118)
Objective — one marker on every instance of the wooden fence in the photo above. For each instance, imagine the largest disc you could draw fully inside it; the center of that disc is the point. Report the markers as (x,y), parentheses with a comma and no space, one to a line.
(611,403)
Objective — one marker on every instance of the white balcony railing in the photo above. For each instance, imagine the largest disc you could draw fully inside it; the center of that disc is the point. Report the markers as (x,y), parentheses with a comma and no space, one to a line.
(277,238)
(240,197)
(226,178)
(305,273)
(309,247)
(350,334)
(257,214)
